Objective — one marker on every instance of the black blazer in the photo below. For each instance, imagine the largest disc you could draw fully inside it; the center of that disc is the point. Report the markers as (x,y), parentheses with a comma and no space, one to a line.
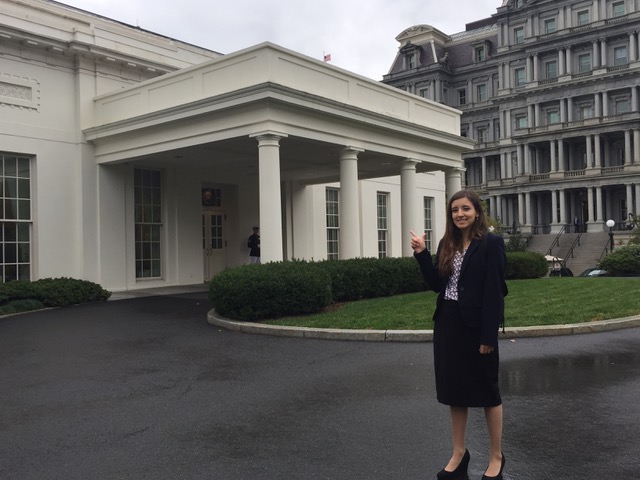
(481,286)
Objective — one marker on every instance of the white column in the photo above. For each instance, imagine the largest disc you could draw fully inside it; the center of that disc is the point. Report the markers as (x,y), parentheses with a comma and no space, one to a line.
(636,146)
(409,203)
(590,205)
(627,147)
(637,209)
(568,60)
(561,161)
(271,245)
(453,178)
(629,198)
(596,147)
(589,151)
(499,209)
(521,205)
(604,61)
(554,161)
(528,210)
(483,181)
(563,208)
(554,207)
(350,244)
(599,204)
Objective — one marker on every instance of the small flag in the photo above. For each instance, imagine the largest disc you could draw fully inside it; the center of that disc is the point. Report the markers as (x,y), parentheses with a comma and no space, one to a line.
(327,57)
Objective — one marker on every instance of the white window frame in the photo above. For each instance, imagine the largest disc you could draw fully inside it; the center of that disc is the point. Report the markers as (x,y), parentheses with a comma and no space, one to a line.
(462,96)
(427,208)
(521,121)
(332,214)
(148,194)
(382,223)
(16,175)
(552,116)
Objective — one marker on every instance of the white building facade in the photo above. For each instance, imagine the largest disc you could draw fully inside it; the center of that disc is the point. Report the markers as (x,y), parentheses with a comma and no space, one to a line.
(134,160)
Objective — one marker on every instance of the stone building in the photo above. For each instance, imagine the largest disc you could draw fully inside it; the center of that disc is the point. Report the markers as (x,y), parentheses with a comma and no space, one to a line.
(549,93)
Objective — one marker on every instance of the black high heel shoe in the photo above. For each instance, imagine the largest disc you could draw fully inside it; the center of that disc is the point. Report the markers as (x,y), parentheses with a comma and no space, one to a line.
(460,473)
(499,476)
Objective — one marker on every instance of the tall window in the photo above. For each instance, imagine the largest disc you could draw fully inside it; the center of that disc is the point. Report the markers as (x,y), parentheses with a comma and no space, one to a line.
(481,93)
(583,17)
(520,77)
(618,9)
(553,116)
(15,218)
(550,25)
(585,111)
(621,105)
(584,62)
(481,134)
(428,221)
(551,69)
(410,61)
(620,55)
(480,54)
(383,225)
(148,222)
(333,223)
(518,35)
(462,96)
(521,121)
(424,92)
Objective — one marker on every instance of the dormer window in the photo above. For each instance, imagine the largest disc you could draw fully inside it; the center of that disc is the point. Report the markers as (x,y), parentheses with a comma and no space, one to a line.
(480,53)
(411,56)
(410,60)
(519,3)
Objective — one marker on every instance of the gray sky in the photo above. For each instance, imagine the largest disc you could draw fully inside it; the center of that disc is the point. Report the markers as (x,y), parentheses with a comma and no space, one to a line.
(359,34)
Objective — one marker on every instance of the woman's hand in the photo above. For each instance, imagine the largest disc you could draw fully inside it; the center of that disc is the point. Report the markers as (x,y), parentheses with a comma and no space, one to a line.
(485,349)
(418,243)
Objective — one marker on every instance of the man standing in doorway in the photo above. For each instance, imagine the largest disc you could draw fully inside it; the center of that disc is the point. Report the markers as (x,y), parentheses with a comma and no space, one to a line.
(254,245)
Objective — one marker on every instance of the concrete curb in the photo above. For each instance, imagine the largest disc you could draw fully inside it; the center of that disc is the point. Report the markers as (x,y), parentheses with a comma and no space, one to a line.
(414,335)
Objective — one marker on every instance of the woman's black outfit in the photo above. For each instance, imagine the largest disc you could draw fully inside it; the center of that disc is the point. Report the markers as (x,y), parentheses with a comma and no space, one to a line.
(468,314)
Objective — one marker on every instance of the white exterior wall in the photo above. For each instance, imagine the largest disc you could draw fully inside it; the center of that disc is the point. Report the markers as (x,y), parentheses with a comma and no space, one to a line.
(82,191)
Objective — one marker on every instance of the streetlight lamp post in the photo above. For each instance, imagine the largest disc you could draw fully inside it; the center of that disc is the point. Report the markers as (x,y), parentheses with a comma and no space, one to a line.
(610,224)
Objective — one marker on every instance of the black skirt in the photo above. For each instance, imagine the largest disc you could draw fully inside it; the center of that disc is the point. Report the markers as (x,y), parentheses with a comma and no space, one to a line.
(464,377)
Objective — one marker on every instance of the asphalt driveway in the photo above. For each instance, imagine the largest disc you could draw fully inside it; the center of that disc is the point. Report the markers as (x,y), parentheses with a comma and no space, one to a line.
(145,388)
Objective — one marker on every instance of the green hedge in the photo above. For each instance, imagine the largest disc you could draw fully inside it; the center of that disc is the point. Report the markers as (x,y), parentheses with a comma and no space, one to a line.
(257,292)
(521,265)
(53,292)
(274,290)
(622,261)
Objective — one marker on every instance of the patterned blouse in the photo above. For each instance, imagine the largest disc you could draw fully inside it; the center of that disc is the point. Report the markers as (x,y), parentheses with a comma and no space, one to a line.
(451,292)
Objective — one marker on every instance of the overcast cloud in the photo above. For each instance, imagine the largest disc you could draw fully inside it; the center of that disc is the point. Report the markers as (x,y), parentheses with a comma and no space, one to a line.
(359,34)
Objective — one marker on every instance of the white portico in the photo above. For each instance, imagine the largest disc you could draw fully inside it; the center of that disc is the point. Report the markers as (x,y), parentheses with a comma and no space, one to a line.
(301,121)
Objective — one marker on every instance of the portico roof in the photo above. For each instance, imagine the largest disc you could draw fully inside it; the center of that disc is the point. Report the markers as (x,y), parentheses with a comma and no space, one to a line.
(211,112)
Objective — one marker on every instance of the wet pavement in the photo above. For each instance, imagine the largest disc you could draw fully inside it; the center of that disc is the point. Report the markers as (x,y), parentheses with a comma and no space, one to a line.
(145,388)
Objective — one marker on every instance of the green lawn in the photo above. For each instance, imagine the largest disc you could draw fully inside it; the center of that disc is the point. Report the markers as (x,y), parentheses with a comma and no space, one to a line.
(544,301)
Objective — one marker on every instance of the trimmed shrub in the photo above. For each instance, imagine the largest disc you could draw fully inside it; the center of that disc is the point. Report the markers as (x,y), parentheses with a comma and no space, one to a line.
(521,265)
(59,292)
(48,292)
(622,261)
(271,290)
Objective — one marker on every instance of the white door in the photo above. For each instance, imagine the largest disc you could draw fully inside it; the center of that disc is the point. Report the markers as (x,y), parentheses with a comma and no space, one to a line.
(213,243)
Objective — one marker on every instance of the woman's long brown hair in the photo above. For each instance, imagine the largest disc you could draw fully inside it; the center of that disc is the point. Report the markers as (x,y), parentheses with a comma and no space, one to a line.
(452,240)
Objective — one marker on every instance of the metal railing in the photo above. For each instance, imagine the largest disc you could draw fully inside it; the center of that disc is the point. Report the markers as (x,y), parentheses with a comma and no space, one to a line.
(556,241)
